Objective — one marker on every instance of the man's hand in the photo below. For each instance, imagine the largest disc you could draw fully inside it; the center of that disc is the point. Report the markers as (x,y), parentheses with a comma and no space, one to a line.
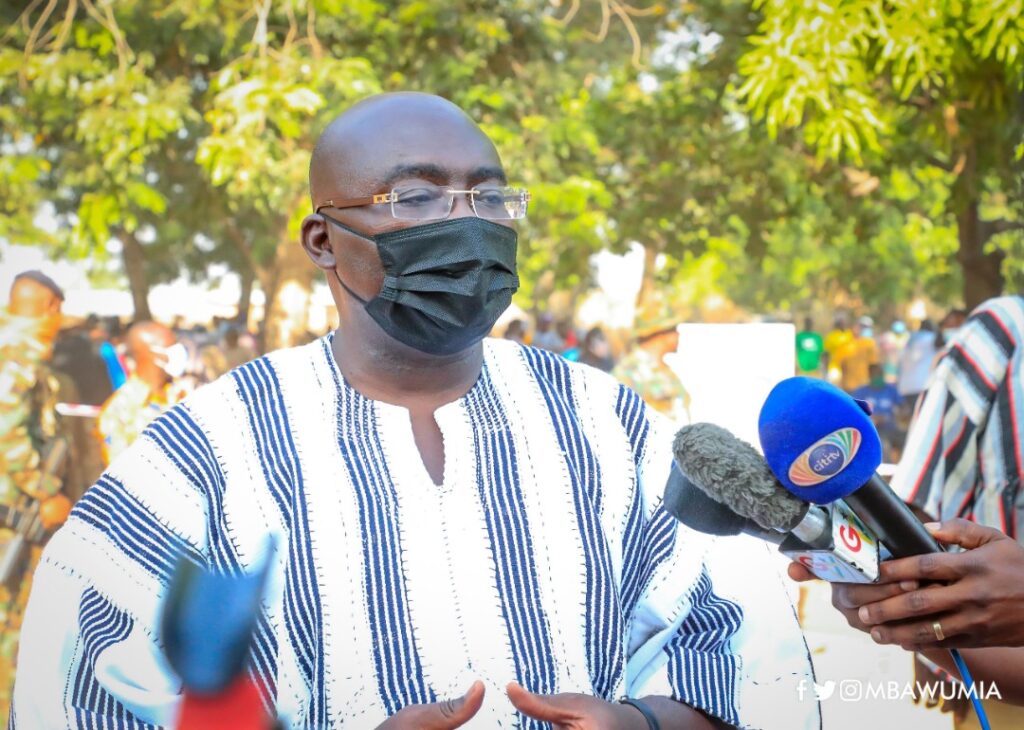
(575,711)
(569,711)
(444,715)
(848,598)
(977,596)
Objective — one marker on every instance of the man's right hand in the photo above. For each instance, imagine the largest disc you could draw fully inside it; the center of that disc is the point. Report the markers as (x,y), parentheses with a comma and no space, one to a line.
(444,715)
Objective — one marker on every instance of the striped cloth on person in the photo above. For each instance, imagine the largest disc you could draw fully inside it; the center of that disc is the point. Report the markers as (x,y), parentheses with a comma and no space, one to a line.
(545,557)
(963,456)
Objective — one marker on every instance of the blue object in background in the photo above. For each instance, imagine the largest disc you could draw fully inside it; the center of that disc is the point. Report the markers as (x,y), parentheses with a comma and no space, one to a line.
(114,369)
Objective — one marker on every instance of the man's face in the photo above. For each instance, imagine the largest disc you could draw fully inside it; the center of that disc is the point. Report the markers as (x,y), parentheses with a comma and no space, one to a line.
(410,148)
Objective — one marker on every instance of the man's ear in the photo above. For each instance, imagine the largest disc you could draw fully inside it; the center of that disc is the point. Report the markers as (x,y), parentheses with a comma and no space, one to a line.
(316,243)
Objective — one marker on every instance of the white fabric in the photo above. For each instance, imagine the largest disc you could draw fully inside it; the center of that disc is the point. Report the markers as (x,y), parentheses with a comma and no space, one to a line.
(543,558)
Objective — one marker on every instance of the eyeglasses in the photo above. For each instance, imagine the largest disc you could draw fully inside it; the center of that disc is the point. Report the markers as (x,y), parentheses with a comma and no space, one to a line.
(432,202)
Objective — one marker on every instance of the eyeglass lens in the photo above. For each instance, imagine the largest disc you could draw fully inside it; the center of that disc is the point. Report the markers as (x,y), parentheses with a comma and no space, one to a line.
(430,202)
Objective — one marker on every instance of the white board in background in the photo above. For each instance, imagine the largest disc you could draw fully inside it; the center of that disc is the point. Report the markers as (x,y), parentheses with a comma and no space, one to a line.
(729,369)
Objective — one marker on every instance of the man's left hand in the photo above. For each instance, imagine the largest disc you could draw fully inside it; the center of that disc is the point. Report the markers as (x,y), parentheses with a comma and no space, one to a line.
(570,711)
(980,605)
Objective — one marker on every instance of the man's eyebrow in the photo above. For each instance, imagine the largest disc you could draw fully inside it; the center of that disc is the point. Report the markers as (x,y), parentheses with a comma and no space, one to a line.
(425,170)
(487,173)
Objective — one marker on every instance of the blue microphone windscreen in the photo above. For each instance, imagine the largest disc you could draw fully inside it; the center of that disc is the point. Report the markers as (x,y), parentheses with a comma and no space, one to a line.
(817,440)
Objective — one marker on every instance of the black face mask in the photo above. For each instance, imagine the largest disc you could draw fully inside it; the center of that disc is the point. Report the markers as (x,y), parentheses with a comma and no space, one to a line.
(445,283)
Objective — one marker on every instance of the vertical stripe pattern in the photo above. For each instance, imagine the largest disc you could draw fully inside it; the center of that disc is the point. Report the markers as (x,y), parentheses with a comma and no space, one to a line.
(399,670)
(603,618)
(260,391)
(511,545)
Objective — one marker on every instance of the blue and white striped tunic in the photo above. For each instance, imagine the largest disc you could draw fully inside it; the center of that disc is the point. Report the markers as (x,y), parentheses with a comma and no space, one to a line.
(544,557)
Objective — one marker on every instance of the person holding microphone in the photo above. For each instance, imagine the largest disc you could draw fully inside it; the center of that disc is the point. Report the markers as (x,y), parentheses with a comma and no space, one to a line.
(971,600)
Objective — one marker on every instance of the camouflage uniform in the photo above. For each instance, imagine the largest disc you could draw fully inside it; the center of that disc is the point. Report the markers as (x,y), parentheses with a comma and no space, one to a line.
(28,420)
(655,382)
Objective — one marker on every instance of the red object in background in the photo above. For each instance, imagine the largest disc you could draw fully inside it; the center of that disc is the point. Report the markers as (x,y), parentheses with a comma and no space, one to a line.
(236,708)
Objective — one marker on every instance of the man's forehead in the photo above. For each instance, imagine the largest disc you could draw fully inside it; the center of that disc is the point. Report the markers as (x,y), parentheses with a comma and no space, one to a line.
(377,142)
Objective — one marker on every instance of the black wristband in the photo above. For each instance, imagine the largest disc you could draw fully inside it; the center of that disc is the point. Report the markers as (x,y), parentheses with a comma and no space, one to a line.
(652,721)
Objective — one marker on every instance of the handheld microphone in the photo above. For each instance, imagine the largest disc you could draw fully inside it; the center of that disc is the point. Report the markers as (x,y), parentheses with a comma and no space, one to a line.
(695,509)
(822,446)
(832,543)
(206,626)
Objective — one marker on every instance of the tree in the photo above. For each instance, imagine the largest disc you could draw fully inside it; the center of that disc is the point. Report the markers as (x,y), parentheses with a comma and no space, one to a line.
(910,85)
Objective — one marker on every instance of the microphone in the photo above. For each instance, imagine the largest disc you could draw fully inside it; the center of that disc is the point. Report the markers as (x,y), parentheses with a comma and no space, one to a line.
(695,509)
(822,446)
(831,542)
(206,626)
(732,473)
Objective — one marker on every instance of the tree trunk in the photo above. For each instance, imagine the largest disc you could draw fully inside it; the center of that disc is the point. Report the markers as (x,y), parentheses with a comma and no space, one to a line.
(982,272)
(983,276)
(247,277)
(134,257)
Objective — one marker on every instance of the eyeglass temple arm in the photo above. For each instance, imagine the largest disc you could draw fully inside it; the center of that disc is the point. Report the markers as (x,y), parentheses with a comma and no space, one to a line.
(356,202)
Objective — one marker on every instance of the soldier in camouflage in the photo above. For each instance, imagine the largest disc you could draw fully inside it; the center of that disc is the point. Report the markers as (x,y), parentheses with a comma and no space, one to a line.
(29,430)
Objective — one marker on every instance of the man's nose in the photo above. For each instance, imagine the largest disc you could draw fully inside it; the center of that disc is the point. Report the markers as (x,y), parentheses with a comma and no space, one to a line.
(461,206)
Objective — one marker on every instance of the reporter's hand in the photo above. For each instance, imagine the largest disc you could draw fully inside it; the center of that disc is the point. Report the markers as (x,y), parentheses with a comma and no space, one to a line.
(444,715)
(978,600)
(575,711)
(849,597)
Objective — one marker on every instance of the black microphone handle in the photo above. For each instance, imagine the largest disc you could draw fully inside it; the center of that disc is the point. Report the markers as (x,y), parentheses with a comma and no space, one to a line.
(891,520)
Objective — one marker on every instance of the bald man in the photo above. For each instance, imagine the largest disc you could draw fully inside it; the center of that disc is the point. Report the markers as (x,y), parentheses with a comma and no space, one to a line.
(157,359)
(469,531)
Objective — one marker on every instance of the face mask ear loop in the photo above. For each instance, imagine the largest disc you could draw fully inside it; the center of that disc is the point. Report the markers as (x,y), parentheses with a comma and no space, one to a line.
(354,232)
(350,292)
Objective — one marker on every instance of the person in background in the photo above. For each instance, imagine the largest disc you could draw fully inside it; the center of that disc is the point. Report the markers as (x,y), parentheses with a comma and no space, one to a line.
(644,368)
(835,341)
(234,353)
(76,354)
(886,403)
(916,363)
(109,336)
(516,331)
(949,327)
(596,351)
(810,347)
(570,342)
(855,358)
(29,430)
(546,337)
(890,347)
(963,454)
(157,360)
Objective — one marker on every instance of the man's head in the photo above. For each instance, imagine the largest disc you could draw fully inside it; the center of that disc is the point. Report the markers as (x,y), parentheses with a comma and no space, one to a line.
(876,375)
(34,294)
(37,297)
(156,353)
(388,142)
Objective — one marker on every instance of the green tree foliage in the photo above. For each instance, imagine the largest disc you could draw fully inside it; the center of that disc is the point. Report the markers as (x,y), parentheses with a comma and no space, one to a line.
(176,135)
(907,85)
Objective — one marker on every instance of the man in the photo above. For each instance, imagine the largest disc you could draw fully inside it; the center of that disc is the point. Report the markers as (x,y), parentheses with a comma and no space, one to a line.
(809,350)
(644,368)
(158,359)
(838,338)
(449,512)
(855,358)
(916,363)
(29,434)
(546,337)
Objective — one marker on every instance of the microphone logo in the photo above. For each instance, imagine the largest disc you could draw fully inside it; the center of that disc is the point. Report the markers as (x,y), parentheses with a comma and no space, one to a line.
(825,458)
